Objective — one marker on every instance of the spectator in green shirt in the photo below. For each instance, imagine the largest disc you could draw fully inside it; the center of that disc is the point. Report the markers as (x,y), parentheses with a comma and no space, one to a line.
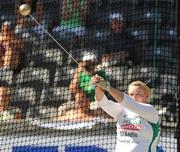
(72,24)
(83,91)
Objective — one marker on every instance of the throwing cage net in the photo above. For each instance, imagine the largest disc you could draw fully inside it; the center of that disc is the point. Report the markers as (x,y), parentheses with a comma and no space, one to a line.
(43,108)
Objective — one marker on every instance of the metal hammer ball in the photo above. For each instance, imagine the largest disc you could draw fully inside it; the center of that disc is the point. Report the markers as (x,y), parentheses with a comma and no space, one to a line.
(25,9)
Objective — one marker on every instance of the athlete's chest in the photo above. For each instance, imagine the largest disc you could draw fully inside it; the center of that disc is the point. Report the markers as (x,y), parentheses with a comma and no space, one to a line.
(133,126)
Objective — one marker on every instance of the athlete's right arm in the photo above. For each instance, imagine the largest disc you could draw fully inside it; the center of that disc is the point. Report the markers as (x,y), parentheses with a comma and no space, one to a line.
(112,108)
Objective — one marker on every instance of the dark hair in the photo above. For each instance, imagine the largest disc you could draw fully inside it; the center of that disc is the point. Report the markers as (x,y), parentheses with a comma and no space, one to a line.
(90,65)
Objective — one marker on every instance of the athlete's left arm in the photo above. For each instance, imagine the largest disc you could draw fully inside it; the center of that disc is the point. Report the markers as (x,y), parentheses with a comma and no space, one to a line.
(147,111)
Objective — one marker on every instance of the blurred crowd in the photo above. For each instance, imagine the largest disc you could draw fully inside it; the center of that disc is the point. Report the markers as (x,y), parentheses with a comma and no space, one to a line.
(80,26)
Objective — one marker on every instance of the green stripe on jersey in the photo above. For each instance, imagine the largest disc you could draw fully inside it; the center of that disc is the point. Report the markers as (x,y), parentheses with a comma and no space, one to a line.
(156,130)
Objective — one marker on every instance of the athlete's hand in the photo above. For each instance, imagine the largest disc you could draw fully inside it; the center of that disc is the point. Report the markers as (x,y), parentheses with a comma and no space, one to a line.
(100,82)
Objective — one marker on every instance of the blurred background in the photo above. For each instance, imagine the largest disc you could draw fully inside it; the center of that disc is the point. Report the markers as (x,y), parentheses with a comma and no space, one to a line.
(128,39)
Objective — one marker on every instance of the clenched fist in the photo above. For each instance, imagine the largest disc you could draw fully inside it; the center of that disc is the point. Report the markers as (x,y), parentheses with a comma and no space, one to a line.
(100,82)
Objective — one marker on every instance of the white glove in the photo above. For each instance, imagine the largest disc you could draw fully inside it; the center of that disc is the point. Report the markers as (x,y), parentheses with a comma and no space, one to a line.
(100,82)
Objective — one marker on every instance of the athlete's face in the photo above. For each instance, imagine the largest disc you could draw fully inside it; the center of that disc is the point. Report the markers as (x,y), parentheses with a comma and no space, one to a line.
(138,94)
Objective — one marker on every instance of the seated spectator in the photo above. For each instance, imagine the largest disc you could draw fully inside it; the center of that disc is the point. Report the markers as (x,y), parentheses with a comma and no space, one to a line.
(120,41)
(72,25)
(9,55)
(7,112)
(80,86)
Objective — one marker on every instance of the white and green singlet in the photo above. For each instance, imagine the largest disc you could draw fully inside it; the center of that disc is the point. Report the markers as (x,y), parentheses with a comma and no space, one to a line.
(137,124)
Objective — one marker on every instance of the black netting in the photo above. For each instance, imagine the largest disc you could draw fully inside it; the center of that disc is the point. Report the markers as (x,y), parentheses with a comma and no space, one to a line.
(43,103)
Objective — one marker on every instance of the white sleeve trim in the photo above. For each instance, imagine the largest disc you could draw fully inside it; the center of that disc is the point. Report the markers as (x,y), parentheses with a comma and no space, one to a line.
(147,111)
(110,107)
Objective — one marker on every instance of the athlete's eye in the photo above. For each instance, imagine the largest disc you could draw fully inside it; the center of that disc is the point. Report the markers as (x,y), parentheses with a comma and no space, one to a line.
(131,95)
(137,95)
